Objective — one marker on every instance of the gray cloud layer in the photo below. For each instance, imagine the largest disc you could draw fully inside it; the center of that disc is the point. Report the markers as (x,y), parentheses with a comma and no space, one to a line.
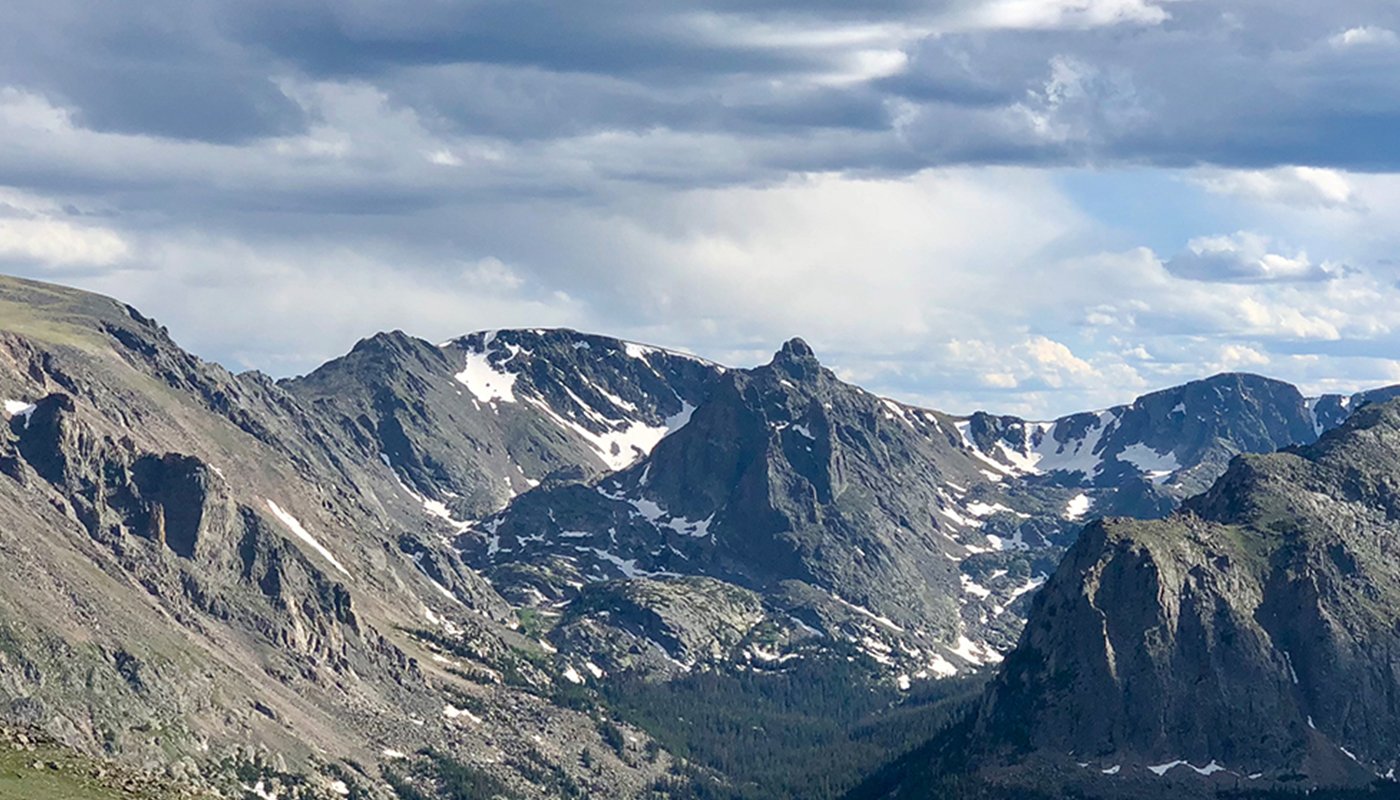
(1241,83)
(882,173)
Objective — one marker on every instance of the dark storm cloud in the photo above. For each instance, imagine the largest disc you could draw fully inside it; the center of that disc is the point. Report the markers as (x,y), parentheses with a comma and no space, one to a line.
(1176,83)
(666,41)
(158,68)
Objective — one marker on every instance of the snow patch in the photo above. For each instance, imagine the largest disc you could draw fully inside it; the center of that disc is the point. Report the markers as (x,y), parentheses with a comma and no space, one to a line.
(868,613)
(627,566)
(485,381)
(1156,466)
(1039,451)
(977,508)
(1310,404)
(1030,585)
(301,533)
(439,509)
(454,713)
(1078,506)
(19,408)
(974,588)
(625,441)
(1210,769)
(1292,673)
(959,519)
(1162,769)
(975,652)
(941,667)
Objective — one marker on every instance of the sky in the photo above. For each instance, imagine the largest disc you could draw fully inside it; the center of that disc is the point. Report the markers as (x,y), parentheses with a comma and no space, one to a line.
(1026,206)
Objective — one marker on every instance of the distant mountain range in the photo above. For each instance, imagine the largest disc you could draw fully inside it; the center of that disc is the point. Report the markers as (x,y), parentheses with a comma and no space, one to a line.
(401,568)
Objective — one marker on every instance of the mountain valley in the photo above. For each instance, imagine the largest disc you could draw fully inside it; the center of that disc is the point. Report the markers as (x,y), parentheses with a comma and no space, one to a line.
(542,563)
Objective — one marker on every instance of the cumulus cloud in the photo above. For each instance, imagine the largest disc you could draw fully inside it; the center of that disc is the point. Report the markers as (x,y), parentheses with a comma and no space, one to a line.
(1298,187)
(1246,257)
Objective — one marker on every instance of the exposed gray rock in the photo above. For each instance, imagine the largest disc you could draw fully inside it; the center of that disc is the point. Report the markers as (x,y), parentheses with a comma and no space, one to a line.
(201,571)
(1254,631)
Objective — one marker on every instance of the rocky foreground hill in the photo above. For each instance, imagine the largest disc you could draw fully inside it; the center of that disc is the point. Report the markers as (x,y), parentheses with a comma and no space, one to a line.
(1245,643)
(445,569)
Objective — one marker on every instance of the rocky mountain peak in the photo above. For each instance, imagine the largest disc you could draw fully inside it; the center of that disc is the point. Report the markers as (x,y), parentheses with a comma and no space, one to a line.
(382,341)
(796,349)
(797,357)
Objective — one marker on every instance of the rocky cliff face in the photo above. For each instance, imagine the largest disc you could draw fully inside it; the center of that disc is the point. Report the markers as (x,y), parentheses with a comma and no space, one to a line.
(204,574)
(785,477)
(1248,639)
(937,528)
(472,423)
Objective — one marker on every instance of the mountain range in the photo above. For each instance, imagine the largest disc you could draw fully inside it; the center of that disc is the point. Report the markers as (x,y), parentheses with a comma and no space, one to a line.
(424,570)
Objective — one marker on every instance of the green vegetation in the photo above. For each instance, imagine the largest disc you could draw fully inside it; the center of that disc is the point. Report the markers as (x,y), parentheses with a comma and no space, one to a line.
(53,314)
(534,623)
(613,737)
(440,777)
(812,733)
(51,773)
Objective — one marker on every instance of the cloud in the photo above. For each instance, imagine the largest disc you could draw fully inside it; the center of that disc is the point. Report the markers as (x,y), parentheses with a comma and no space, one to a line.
(1366,36)
(300,303)
(1038,367)
(1298,187)
(1073,14)
(57,243)
(1245,257)
(908,85)
(1235,356)
(1248,88)
(883,178)
(164,69)
(491,275)
(880,273)
(36,230)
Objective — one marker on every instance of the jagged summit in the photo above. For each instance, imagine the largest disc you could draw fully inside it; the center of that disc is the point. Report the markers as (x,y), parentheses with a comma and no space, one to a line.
(394,339)
(796,349)
(797,360)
